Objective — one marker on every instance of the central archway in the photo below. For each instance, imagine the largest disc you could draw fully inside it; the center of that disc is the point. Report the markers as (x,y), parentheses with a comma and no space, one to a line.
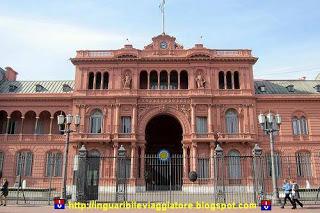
(163,132)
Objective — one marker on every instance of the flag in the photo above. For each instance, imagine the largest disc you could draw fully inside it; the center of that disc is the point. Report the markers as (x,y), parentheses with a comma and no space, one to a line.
(161,6)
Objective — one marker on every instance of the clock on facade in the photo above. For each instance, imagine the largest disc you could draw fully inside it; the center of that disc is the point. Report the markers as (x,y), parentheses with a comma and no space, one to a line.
(163,45)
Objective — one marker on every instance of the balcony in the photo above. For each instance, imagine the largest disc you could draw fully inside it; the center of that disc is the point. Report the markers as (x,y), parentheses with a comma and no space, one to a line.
(91,137)
(224,137)
(30,138)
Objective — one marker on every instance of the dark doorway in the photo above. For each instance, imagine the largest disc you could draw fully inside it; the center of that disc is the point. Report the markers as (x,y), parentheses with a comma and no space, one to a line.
(93,165)
(163,132)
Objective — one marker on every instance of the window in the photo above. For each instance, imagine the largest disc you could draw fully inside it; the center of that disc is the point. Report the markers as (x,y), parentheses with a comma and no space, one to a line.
(203,168)
(24,163)
(229,80)
(96,122)
(184,80)
(221,80)
(153,80)
(90,83)
(105,80)
(303,162)
(124,173)
(236,80)
(232,123)
(39,129)
(54,164)
(234,167)
(163,80)
(66,88)
(98,80)
(201,125)
(12,127)
(125,124)
(277,162)
(173,80)
(143,80)
(300,126)
(1,161)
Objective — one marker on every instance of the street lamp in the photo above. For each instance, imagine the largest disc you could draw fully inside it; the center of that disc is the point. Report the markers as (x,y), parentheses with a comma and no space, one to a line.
(270,123)
(66,122)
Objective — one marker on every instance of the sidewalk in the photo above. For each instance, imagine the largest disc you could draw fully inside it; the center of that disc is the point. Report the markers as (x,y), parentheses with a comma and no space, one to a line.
(47,209)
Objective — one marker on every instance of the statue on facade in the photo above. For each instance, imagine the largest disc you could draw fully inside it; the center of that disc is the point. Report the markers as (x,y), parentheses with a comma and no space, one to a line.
(126,80)
(200,81)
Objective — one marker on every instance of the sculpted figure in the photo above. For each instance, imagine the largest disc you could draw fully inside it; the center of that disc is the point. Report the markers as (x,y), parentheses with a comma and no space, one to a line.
(126,81)
(200,81)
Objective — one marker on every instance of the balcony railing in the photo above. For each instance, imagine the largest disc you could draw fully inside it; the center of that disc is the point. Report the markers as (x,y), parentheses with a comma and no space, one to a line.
(30,137)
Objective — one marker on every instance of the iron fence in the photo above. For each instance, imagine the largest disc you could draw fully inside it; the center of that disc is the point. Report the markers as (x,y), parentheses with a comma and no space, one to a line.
(228,179)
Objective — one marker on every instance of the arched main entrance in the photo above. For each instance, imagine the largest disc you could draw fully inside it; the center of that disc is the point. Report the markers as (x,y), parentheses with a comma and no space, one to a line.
(163,132)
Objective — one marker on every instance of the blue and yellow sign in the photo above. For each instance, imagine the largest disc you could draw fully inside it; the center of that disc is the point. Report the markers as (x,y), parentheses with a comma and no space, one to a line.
(163,154)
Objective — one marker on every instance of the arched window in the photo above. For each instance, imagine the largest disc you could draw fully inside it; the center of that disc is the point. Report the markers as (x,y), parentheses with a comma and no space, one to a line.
(98,80)
(90,82)
(229,81)
(234,167)
(143,80)
(163,80)
(54,164)
(295,126)
(232,123)
(105,80)
(277,161)
(304,125)
(173,80)
(303,162)
(300,126)
(153,80)
(183,79)
(236,80)
(221,80)
(96,122)
(24,163)
(1,161)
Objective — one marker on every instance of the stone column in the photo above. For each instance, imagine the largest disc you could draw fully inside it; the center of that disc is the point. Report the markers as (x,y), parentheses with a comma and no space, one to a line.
(36,125)
(185,161)
(114,163)
(116,130)
(159,80)
(94,80)
(232,80)
(81,175)
(133,160)
(101,82)
(193,118)
(212,147)
(8,122)
(225,80)
(168,81)
(134,119)
(178,80)
(50,128)
(21,128)
(148,83)
(194,156)
(142,148)
(209,118)
(219,118)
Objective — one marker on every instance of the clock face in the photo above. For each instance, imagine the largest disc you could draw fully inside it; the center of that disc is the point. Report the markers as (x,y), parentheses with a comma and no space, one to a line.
(163,45)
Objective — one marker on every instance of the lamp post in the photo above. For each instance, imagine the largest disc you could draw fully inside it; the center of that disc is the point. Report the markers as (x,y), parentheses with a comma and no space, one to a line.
(270,123)
(66,122)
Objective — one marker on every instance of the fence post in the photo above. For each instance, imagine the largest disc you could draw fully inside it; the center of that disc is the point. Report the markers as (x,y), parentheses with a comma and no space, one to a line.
(121,175)
(219,175)
(81,175)
(257,173)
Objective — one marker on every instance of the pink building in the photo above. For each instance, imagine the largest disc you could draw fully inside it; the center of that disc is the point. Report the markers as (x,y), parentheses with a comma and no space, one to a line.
(161,97)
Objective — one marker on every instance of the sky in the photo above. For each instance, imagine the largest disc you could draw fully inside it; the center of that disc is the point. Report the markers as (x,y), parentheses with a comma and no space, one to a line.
(37,38)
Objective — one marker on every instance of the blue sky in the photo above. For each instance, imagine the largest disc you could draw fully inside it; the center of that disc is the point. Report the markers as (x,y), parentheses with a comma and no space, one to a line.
(37,38)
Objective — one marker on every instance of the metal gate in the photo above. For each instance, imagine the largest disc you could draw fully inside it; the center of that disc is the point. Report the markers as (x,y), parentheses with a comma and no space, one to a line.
(162,175)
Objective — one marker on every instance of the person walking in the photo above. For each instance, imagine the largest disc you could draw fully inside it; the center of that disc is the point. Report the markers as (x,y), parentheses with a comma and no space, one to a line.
(4,192)
(295,194)
(287,190)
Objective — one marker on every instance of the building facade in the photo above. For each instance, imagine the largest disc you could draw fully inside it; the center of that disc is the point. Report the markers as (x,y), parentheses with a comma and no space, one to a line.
(161,97)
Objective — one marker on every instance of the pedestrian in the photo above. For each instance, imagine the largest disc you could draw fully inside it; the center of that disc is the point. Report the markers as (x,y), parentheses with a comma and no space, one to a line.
(295,194)
(4,192)
(287,191)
